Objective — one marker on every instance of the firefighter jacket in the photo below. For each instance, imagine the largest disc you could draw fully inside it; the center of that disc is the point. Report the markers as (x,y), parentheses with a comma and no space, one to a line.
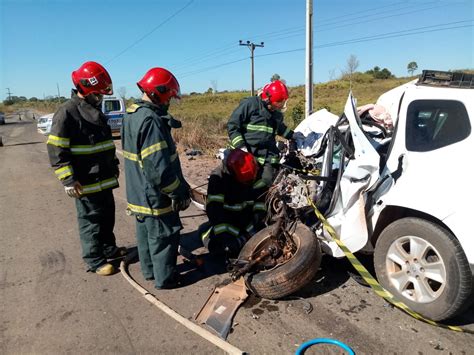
(231,206)
(152,167)
(253,126)
(80,147)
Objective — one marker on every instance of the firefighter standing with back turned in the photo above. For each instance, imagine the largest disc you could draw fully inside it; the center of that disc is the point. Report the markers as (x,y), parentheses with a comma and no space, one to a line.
(82,152)
(156,188)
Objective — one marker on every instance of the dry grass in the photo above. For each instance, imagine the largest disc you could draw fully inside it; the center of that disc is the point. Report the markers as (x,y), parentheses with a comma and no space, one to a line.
(204,116)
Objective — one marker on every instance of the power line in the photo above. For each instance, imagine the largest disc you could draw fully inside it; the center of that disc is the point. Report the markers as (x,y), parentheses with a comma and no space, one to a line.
(395,34)
(299,31)
(153,30)
(198,71)
(380,36)
(190,61)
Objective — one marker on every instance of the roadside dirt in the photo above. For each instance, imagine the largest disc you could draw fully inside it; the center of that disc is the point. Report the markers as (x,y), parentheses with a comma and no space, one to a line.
(196,169)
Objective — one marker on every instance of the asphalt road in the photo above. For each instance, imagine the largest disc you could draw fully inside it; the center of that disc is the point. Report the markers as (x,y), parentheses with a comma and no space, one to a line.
(50,305)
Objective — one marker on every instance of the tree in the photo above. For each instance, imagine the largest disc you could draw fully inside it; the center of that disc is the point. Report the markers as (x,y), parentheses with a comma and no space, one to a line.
(275,77)
(352,64)
(122,91)
(33,99)
(209,91)
(380,74)
(412,67)
(297,113)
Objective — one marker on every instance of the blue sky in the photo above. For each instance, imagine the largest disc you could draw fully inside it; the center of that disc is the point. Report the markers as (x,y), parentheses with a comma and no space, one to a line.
(43,41)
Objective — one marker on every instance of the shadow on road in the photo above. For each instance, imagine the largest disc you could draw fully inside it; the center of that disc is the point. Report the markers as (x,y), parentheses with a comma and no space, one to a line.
(332,275)
(209,265)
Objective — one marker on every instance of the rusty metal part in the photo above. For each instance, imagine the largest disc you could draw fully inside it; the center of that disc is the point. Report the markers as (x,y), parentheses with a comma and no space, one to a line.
(220,308)
(268,251)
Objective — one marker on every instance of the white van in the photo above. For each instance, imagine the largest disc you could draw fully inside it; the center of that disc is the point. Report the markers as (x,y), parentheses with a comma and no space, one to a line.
(112,107)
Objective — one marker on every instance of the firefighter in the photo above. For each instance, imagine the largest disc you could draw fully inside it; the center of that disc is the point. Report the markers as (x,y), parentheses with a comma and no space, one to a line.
(82,152)
(256,122)
(232,206)
(156,188)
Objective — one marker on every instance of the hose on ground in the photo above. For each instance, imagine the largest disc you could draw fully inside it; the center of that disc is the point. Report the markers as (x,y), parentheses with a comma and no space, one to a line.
(303,347)
(229,348)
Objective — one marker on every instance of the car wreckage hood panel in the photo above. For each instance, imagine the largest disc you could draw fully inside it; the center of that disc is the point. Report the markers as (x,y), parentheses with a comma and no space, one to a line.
(360,174)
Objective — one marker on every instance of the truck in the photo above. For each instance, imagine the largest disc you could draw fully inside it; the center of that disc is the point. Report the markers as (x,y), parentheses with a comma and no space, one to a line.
(112,107)
(400,192)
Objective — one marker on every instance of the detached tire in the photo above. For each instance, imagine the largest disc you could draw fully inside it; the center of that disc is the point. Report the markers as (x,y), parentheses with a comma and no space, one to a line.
(424,266)
(289,277)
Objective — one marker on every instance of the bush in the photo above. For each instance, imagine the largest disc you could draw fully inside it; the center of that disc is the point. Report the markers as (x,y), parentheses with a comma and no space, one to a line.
(297,113)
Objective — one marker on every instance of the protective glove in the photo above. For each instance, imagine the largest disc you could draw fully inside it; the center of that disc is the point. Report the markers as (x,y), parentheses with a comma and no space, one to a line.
(181,197)
(180,204)
(74,190)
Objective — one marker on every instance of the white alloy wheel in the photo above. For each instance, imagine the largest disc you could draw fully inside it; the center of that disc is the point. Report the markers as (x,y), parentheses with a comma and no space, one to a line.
(424,266)
(416,269)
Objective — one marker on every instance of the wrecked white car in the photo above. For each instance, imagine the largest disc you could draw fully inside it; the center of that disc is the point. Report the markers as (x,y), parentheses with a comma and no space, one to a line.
(402,195)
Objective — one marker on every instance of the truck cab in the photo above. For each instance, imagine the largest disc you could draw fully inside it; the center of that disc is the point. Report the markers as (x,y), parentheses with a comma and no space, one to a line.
(113,108)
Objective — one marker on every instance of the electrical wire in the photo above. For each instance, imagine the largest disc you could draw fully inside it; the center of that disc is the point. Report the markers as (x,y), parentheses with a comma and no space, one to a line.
(150,32)
(395,34)
(291,32)
(378,37)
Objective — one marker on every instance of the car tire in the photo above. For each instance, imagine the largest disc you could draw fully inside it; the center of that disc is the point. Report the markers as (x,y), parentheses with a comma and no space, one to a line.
(291,276)
(424,266)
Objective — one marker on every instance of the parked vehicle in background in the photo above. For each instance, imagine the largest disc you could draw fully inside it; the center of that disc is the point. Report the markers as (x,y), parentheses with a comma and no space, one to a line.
(44,124)
(2,118)
(112,107)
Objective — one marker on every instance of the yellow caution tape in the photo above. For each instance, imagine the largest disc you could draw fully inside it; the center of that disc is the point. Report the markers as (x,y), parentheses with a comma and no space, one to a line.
(379,290)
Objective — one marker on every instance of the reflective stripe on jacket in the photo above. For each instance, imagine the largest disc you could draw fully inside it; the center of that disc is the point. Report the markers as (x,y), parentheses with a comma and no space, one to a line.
(231,206)
(152,168)
(253,126)
(80,147)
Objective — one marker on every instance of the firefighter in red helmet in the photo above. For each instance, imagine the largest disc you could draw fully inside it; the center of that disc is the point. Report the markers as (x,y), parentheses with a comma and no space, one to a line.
(256,122)
(156,188)
(82,153)
(232,207)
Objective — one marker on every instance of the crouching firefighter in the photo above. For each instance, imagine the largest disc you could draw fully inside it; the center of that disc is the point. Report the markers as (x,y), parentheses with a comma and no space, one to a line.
(156,188)
(82,152)
(232,207)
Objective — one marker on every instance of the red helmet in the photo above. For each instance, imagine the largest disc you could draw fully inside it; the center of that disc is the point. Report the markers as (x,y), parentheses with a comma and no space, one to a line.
(160,85)
(242,165)
(92,78)
(276,91)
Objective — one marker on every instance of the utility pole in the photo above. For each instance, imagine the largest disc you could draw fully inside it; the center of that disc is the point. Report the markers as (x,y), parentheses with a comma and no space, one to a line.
(9,94)
(252,47)
(309,58)
(59,95)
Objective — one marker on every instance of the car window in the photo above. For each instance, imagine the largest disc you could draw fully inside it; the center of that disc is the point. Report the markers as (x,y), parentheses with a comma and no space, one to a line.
(432,124)
(111,105)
